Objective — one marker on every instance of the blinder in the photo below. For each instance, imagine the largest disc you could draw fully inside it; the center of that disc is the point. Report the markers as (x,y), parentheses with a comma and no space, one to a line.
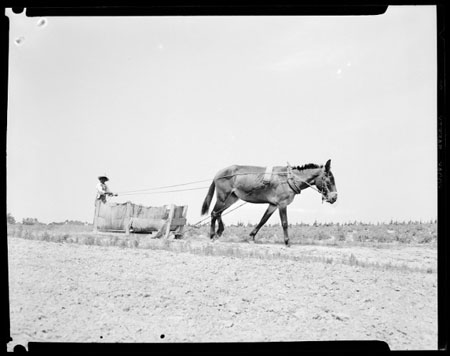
(323,188)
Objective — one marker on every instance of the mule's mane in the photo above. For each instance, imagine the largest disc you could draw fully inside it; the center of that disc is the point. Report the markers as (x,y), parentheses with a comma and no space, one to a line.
(308,166)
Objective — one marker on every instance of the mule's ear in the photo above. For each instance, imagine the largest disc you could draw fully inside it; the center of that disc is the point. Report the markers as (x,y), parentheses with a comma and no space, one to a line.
(327,166)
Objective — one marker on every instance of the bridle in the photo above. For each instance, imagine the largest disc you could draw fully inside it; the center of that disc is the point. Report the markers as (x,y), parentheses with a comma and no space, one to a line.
(327,191)
(296,187)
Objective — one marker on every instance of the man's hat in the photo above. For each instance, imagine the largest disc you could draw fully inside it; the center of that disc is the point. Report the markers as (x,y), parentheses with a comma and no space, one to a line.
(103,176)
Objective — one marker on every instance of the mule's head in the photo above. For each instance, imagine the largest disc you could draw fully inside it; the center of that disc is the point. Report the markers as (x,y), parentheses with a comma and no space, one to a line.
(325,183)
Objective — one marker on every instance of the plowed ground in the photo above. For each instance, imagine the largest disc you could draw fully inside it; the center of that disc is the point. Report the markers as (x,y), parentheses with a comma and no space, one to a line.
(85,293)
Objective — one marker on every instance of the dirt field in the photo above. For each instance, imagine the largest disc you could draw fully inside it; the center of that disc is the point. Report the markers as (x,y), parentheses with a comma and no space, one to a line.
(86,293)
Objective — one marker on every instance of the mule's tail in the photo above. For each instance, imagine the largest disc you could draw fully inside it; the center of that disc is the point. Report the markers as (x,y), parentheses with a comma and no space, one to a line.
(208,198)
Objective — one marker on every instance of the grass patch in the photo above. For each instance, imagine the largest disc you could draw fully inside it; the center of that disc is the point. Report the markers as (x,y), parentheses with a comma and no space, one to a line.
(199,244)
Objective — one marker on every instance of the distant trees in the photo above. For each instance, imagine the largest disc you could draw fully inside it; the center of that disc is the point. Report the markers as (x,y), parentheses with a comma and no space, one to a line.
(69,222)
(354,223)
(10,219)
(30,221)
(57,223)
(33,221)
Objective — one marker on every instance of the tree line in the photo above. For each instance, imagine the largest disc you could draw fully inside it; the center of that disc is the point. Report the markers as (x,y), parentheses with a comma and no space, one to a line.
(33,221)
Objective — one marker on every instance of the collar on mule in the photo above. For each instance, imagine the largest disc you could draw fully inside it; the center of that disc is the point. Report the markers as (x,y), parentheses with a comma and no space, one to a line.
(291,181)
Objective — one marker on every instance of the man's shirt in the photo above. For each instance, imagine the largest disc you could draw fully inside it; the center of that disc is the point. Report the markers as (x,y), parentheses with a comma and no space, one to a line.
(102,189)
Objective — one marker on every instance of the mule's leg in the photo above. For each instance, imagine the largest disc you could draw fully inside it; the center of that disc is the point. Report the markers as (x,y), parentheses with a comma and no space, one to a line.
(215,213)
(212,232)
(284,223)
(230,200)
(264,219)
(224,193)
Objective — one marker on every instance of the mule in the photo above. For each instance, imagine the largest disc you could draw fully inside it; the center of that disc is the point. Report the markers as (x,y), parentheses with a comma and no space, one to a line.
(260,185)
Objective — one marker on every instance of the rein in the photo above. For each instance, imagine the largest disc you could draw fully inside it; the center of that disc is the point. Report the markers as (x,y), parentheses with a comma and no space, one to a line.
(290,181)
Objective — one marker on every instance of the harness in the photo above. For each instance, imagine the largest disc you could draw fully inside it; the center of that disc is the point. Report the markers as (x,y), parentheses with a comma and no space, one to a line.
(291,181)
(267,174)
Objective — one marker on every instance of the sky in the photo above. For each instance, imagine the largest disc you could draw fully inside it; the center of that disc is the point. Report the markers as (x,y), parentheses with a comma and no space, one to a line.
(158,101)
